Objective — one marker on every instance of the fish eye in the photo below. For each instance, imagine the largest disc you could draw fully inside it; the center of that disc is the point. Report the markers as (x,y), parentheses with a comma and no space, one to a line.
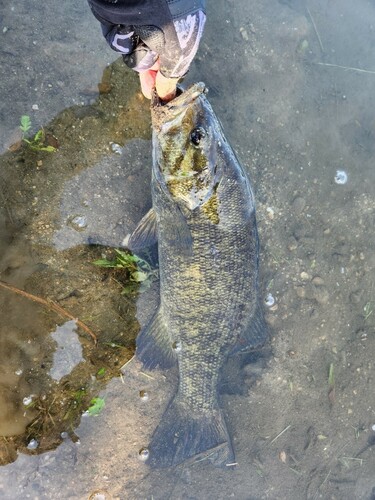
(197,135)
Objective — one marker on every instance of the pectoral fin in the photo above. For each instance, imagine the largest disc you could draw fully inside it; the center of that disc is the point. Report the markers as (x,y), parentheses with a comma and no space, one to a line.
(144,235)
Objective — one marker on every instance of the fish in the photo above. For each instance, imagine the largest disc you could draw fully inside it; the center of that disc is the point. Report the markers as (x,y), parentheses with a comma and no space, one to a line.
(203,220)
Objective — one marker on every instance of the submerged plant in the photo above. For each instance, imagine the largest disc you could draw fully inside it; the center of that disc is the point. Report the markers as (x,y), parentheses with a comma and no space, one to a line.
(96,406)
(140,272)
(38,142)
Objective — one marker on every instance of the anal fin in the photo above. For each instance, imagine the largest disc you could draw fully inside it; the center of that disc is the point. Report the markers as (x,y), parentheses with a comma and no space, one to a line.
(154,346)
(255,334)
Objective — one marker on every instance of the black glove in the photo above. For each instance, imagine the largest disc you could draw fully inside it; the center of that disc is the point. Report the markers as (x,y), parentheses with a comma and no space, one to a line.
(144,31)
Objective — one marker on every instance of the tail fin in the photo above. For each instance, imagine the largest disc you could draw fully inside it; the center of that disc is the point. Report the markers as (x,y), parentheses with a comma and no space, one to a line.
(182,435)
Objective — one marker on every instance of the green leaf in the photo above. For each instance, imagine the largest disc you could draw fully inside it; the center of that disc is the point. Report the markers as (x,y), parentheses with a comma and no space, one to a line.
(39,136)
(97,405)
(139,277)
(49,149)
(104,263)
(100,372)
(37,147)
(25,123)
(129,289)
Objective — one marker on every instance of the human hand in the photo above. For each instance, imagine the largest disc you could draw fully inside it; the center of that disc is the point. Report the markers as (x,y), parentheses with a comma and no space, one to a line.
(158,38)
(152,78)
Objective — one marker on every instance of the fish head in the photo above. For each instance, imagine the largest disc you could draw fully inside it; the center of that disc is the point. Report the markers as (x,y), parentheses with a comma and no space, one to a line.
(185,147)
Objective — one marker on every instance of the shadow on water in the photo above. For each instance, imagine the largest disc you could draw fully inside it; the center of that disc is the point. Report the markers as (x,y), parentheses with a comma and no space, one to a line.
(93,190)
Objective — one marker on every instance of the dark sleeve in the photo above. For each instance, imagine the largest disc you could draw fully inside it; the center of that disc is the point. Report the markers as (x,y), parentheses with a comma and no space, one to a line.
(169,28)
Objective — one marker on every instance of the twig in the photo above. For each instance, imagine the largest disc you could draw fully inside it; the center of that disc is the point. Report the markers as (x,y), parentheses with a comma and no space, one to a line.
(316,30)
(325,480)
(146,375)
(126,364)
(280,434)
(51,305)
(358,70)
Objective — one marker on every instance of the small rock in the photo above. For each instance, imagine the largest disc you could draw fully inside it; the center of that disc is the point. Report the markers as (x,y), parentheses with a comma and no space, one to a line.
(244,34)
(270,212)
(301,292)
(292,244)
(317,281)
(321,295)
(305,276)
(298,205)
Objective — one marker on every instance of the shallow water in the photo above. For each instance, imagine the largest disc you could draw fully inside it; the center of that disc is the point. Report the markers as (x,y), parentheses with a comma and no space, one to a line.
(292,83)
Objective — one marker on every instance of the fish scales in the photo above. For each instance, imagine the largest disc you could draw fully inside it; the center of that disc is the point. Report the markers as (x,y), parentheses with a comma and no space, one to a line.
(204,214)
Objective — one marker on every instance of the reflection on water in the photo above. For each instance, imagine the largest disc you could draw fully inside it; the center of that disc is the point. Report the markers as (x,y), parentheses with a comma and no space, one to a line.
(100,205)
(68,351)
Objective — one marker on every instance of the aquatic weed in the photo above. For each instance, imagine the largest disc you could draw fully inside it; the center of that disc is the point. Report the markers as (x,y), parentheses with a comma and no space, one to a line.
(140,272)
(96,406)
(38,142)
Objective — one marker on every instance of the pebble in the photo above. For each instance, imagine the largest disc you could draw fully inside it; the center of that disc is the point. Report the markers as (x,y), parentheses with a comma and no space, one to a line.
(305,276)
(116,148)
(78,222)
(298,205)
(35,107)
(270,300)
(143,395)
(33,444)
(270,212)
(143,454)
(301,292)
(321,295)
(244,34)
(317,281)
(27,400)
(292,244)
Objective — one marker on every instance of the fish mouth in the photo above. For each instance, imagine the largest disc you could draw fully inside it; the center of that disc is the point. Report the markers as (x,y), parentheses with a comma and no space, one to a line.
(165,111)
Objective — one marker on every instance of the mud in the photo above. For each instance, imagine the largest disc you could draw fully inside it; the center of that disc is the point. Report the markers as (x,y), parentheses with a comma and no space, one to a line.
(293,86)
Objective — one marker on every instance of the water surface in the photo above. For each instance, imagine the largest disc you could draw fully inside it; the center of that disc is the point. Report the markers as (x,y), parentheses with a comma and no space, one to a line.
(292,83)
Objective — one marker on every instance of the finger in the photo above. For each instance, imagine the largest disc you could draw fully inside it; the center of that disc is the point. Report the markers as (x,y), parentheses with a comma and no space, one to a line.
(165,87)
(147,79)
